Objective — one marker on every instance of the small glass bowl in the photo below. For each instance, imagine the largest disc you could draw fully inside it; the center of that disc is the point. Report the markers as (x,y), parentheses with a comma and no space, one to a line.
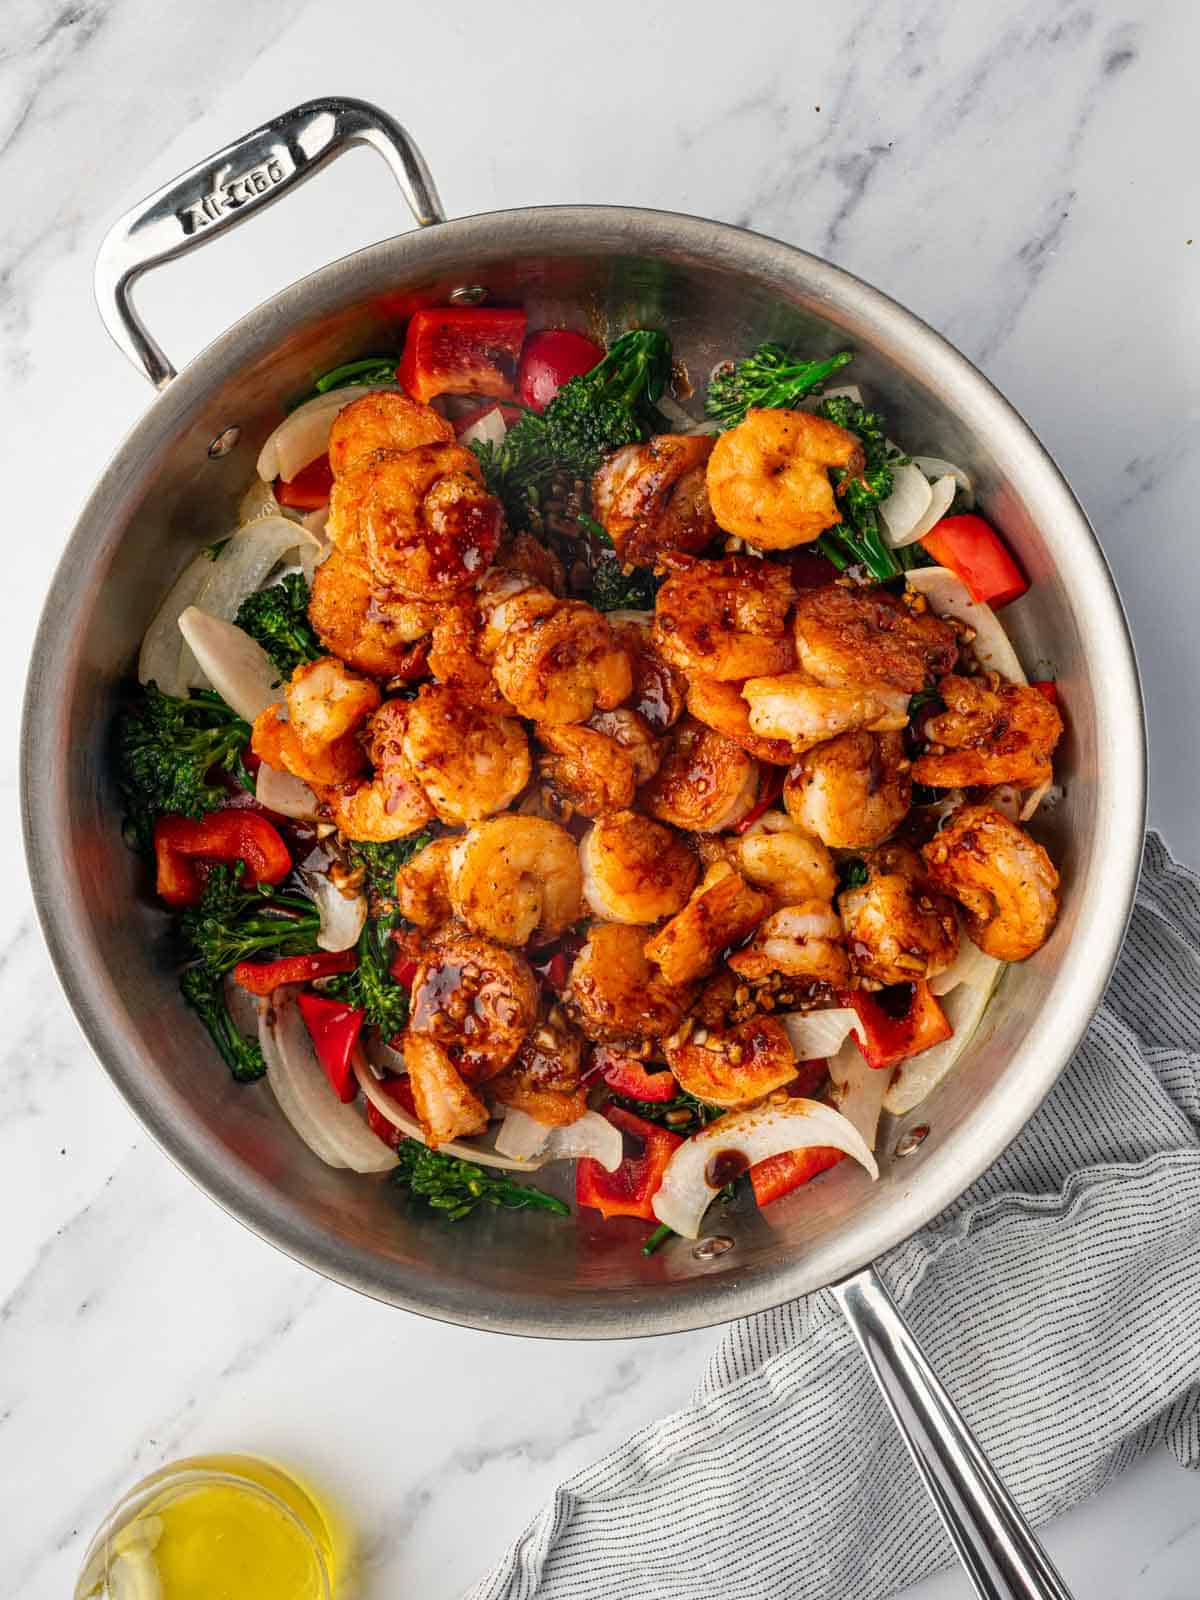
(120,1562)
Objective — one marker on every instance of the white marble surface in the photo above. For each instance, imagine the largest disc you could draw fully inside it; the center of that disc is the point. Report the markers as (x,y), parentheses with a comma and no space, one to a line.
(1026,182)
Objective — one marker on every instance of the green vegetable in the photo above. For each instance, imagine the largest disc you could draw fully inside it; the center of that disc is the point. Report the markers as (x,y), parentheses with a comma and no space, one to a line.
(370,988)
(379,864)
(369,370)
(612,589)
(456,1187)
(671,1113)
(233,924)
(770,377)
(857,537)
(165,750)
(205,993)
(616,403)
(278,618)
(853,874)
(660,1236)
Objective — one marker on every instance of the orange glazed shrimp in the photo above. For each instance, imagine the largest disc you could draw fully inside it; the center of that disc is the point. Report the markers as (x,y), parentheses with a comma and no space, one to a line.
(768,478)
(726,619)
(653,497)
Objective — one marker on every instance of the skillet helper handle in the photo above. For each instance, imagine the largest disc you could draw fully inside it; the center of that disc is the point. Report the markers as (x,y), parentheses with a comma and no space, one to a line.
(995,1544)
(232,186)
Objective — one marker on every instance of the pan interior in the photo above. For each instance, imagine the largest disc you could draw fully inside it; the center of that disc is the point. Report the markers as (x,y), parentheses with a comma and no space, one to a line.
(717,292)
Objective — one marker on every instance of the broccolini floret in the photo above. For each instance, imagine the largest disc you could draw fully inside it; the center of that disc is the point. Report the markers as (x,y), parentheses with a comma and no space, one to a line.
(614,404)
(166,749)
(370,988)
(278,618)
(768,378)
(233,924)
(456,1187)
(857,538)
(205,993)
(613,589)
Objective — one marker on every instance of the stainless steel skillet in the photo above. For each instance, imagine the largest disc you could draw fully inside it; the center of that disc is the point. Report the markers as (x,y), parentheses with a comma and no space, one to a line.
(173,485)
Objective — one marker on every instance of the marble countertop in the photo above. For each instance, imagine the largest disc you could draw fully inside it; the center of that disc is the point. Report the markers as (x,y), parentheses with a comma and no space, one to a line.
(1027,185)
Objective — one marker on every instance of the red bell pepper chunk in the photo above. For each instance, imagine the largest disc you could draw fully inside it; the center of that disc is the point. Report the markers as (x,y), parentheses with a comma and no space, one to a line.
(628,1191)
(403,969)
(264,977)
(770,788)
(451,351)
(810,1075)
(224,836)
(886,1040)
(625,1074)
(399,1090)
(551,358)
(975,552)
(333,1027)
(779,1175)
(1047,687)
(309,489)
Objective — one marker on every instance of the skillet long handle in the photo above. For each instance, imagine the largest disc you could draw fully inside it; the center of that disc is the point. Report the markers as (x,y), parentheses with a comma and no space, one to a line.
(231,186)
(995,1544)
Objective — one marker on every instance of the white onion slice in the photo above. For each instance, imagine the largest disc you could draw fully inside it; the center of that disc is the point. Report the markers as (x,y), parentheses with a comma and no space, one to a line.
(342,915)
(1006,798)
(490,428)
(814,1035)
(160,657)
(1034,799)
(907,504)
(248,559)
(237,666)
(522,1137)
(948,597)
(481,1155)
(285,795)
(333,1131)
(919,1075)
(303,435)
(858,1090)
(935,467)
(259,501)
(768,1130)
(941,498)
(245,1008)
(971,966)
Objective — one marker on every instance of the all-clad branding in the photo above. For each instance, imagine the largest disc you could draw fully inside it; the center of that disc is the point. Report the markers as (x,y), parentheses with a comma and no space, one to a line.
(230,193)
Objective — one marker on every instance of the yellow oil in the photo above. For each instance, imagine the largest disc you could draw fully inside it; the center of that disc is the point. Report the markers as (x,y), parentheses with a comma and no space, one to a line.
(221,1528)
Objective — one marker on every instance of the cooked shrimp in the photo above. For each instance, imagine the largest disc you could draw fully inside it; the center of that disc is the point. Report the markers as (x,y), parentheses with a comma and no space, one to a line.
(371,629)
(733,1066)
(721,912)
(544,1080)
(393,805)
(456,656)
(768,478)
(1003,879)
(653,497)
(514,878)
(477,1000)
(726,619)
(616,994)
(504,599)
(326,701)
(386,420)
(274,741)
(853,791)
(722,706)
(423,885)
(659,693)
(780,858)
(898,927)
(446,1107)
(469,764)
(420,519)
(851,638)
(1005,734)
(563,665)
(803,941)
(706,782)
(523,554)
(635,870)
(794,710)
(598,765)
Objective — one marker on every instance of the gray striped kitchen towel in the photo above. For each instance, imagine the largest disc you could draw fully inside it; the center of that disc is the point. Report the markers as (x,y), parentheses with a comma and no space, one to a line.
(1057,1300)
